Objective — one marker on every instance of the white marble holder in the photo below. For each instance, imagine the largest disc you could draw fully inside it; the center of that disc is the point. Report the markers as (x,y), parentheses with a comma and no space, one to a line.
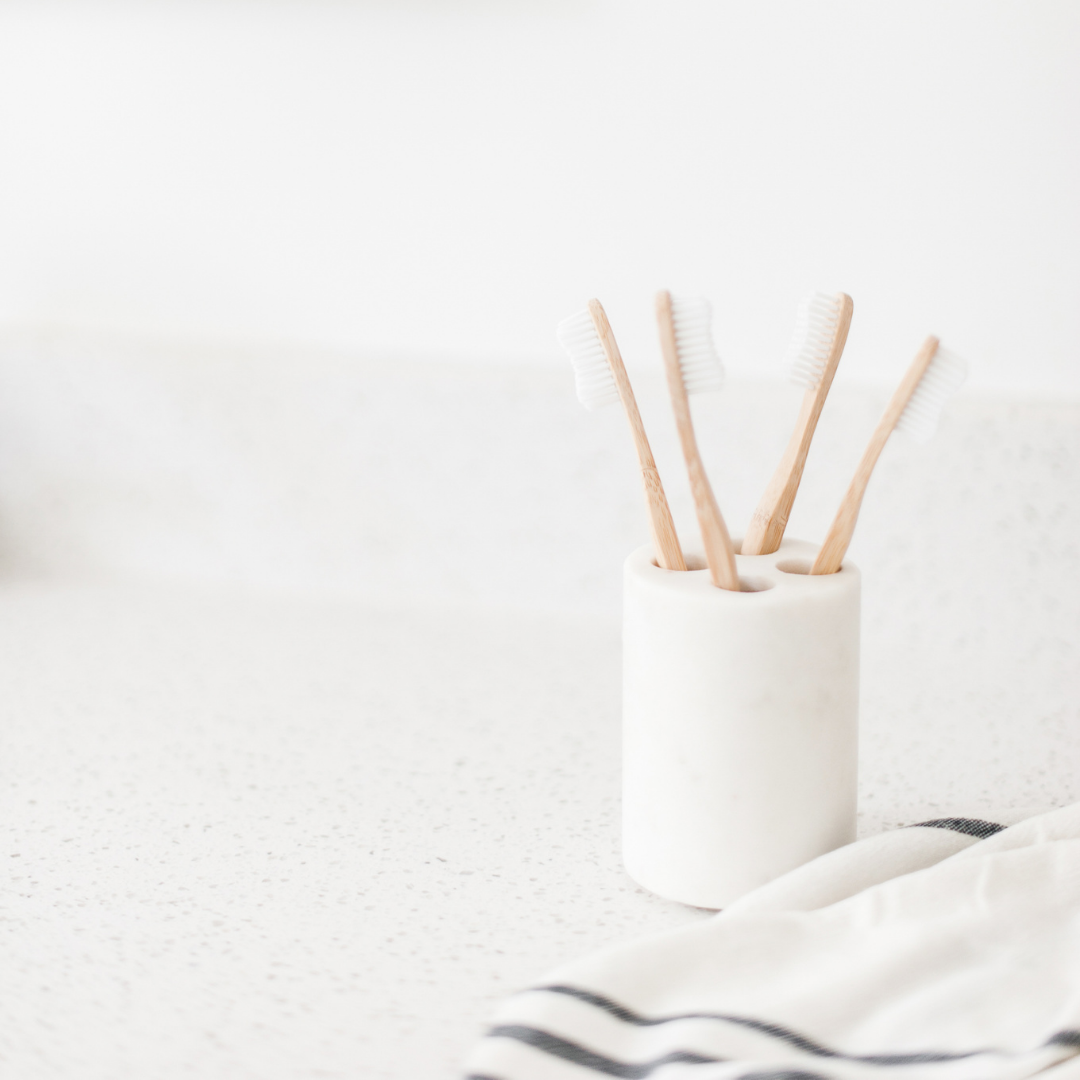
(740,722)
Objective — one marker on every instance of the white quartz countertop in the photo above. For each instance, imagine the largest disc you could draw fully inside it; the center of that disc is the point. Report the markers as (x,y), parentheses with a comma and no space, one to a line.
(310,685)
(269,838)
(256,838)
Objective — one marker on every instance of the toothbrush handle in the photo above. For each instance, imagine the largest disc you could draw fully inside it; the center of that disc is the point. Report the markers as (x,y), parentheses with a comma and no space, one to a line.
(831,556)
(770,519)
(665,540)
(718,550)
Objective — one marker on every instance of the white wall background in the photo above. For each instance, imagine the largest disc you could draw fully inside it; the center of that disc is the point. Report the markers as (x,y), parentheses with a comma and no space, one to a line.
(449,179)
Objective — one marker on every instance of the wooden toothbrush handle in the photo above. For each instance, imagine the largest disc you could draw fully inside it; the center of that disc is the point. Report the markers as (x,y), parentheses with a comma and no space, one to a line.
(665,540)
(770,519)
(718,550)
(831,556)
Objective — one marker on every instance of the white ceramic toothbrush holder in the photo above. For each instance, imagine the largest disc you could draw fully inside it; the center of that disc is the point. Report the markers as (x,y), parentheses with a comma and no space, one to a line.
(740,722)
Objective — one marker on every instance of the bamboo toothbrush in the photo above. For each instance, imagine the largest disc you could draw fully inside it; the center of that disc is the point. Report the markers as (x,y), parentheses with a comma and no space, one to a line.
(821,330)
(602,380)
(692,367)
(915,407)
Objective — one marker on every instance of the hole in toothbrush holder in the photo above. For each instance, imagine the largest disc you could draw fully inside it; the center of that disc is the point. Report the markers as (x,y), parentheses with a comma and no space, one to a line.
(794,566)
(693,562)
(755,584)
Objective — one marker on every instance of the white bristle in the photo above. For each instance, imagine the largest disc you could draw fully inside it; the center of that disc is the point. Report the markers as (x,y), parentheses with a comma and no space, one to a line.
(592,372)
(940,381)
(815,328)
(700,365)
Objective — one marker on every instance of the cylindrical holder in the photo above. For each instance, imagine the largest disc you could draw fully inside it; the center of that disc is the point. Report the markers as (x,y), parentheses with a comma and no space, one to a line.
(740,722)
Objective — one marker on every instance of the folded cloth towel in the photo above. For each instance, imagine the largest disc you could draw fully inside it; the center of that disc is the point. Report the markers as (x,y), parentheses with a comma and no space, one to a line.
(946,950)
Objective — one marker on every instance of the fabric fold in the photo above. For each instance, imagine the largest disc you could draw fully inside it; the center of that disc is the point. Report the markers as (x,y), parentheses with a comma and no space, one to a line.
(944,950)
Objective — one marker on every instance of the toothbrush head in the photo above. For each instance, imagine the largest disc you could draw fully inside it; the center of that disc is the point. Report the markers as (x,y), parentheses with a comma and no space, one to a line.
(942,378)
(698,361)
(816,326)
(580,340)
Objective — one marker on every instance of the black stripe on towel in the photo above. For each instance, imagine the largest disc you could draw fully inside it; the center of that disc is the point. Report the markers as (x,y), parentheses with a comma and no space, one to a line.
(783,1074)
(968,826)
(589,1059)
(577,1054)
(775,1031)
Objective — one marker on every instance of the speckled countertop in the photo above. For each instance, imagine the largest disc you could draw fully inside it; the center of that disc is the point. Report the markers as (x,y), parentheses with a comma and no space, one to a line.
(309,729)
(249,838)
(274,839)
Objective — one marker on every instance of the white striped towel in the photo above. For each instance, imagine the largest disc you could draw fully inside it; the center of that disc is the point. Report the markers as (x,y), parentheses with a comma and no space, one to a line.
(947,950)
